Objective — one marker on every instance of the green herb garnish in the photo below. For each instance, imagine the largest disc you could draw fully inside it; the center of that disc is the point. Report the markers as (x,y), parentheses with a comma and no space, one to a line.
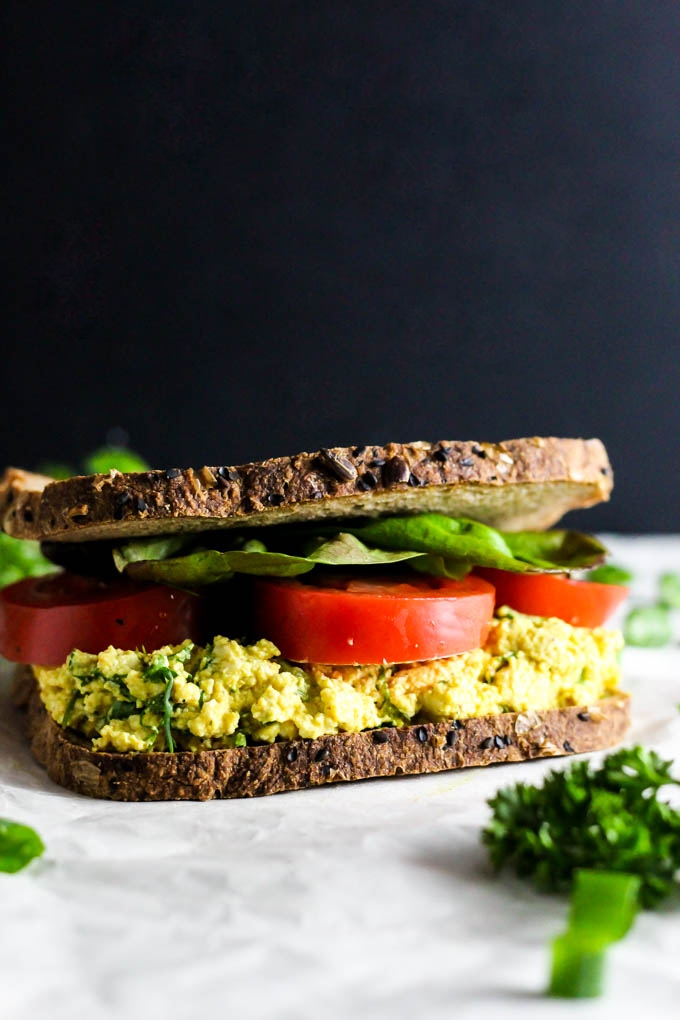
(19,845)
(162,702)
(167,713)
(75,694)
(429,543)
(607,817)
(648,627)
(607,820)
(603,908)
(122,710)
(669,590)
(396,717)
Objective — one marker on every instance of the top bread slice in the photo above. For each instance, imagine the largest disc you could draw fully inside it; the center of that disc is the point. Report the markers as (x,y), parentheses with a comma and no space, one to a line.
(514,485)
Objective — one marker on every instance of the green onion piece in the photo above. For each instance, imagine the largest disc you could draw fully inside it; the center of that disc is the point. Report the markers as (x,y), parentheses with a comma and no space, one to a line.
(603,908)
(648,627)
(609,574)
(669,590)
(19,844)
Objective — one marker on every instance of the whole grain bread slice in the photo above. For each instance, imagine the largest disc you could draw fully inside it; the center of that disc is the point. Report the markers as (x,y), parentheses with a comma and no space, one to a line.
(517,484)
(300,764)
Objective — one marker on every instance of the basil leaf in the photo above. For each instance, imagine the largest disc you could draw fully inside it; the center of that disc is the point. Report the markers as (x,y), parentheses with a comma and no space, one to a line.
(430,543)
(556,550)
(454,537)
(466,541)
(19,845)
(140,549)
(439,566)
(347,550)
(208,566)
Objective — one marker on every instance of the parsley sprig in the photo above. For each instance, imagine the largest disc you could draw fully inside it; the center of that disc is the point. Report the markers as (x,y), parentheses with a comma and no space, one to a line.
(601,832)
(607,817)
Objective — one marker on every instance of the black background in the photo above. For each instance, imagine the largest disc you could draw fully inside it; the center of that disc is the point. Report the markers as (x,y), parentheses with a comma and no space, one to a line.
(242,230)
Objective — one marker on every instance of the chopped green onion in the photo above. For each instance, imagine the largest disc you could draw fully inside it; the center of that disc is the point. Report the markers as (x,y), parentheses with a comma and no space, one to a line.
(648,627)
(603,908)
(19,844)
(609,574)
(669,590)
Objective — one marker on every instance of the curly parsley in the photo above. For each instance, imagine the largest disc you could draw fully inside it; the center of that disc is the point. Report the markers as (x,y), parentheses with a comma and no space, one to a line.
(608,817)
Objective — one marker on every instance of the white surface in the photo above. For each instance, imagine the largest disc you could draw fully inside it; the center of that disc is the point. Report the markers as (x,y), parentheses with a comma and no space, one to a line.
(360,900)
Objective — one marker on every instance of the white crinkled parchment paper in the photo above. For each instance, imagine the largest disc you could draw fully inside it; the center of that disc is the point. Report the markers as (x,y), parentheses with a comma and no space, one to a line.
(360,900)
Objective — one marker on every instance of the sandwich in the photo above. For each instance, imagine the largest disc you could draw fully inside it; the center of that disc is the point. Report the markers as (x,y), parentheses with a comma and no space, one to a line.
(351,613)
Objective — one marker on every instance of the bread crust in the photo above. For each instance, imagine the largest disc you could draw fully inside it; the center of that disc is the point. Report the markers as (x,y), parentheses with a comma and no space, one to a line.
(300,764)
(517,484)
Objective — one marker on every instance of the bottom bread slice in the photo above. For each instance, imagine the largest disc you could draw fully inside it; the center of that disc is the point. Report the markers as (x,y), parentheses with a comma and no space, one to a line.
(298,764)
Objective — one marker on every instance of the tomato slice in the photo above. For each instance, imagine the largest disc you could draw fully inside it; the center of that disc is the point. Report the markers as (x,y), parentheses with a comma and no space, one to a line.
(42,619)
(353,621)
(580,603)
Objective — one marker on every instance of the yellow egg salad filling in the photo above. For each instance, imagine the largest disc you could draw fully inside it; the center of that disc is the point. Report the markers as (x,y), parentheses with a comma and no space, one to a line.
(229,694)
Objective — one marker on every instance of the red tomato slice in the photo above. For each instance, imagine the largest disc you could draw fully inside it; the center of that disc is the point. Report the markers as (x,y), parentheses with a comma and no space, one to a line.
(42,619)
(580,603)
(352,621)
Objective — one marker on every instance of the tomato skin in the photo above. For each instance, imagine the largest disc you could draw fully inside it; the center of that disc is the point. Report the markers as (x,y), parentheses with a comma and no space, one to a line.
(42,619)
(374,621)
(580,603)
